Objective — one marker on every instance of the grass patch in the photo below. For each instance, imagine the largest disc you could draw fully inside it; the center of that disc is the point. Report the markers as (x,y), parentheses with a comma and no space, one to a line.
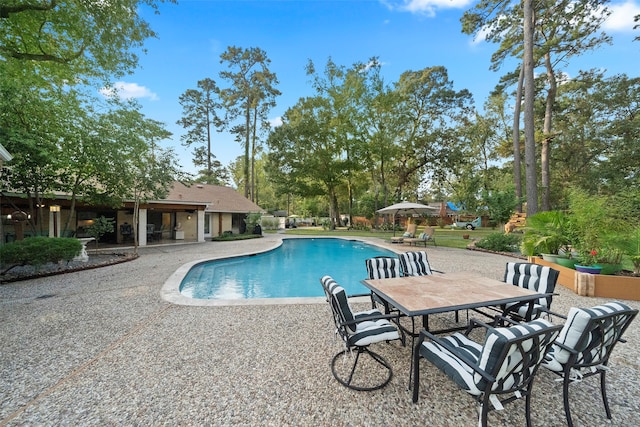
(443,236)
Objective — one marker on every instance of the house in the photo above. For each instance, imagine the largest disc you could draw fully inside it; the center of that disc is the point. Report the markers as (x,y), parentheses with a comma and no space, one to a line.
(189,212)
(225,208)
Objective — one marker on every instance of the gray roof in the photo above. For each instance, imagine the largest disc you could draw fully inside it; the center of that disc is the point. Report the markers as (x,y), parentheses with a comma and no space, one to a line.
(217,198)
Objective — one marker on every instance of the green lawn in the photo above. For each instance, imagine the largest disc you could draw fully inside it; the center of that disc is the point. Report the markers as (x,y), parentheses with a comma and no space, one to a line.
(443,236)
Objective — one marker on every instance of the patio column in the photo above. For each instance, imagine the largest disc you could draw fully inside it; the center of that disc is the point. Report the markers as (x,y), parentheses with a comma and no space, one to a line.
(142,227)
(200,226)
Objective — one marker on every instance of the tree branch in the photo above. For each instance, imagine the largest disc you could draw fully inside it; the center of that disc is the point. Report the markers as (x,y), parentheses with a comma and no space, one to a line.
(5,11)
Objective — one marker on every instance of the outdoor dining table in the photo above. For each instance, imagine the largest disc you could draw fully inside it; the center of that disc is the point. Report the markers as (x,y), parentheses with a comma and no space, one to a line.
(416,296)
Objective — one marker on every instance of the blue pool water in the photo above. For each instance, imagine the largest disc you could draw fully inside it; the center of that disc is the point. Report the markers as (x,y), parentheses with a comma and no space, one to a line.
(292,270)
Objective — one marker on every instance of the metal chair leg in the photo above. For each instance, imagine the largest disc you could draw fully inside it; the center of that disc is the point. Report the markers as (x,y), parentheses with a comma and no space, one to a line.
(603,389)
(348,382)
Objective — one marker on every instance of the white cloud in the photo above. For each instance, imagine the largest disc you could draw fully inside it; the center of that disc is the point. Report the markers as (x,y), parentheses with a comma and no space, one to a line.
(125,90)
(426,7)
(622,15)
(275,122)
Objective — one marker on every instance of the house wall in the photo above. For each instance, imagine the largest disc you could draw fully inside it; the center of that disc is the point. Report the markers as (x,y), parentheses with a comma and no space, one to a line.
(189,223)
(221,222)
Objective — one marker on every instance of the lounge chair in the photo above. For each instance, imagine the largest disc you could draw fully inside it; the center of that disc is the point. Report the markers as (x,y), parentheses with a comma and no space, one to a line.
(424,238)
(408,234)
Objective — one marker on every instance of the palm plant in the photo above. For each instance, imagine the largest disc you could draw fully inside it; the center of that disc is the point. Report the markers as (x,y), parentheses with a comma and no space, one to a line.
(547,232)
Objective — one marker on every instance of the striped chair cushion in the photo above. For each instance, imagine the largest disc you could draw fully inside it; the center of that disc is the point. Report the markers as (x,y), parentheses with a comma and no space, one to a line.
(581,334)
(532,276)
(365,332)
(382,268)
(415,263)
(331,287)
(508,374)
(492,357)
(373,331)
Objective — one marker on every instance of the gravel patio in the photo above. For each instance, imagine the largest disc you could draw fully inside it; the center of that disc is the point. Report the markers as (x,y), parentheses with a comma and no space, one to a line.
(102,347)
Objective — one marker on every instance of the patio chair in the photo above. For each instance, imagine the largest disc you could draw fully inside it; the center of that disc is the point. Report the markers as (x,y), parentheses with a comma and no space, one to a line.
(150,230)
(539,278)
(499,371)
(358,331)
(126,230)
(585,344)
(415,264)
(424,238)
(382,268)
(409,233)
(328,283)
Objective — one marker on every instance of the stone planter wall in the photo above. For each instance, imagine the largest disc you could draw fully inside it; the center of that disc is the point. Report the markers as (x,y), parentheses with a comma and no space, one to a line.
(597,285)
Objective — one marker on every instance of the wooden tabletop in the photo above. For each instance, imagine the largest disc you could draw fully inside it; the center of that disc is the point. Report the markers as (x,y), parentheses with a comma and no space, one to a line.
(438,293)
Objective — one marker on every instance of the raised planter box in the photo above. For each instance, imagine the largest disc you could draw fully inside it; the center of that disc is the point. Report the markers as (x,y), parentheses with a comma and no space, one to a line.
(596,285)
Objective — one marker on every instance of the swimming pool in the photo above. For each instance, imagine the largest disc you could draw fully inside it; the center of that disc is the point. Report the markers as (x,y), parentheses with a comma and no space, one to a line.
(291,270)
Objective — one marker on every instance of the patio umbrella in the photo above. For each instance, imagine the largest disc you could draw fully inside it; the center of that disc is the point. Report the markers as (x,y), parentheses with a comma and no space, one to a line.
(405,208)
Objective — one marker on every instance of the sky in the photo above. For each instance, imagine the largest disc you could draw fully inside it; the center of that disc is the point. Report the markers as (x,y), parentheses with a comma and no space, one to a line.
(404,34)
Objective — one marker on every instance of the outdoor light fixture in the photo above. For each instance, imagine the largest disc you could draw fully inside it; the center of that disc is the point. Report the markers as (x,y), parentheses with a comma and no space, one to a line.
(54,209)
(188,217)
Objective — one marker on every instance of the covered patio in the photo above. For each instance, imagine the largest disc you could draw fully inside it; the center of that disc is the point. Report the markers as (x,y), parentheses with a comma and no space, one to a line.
(101,347)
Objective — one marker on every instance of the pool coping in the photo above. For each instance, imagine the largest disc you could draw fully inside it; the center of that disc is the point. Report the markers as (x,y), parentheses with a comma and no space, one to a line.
(170,291)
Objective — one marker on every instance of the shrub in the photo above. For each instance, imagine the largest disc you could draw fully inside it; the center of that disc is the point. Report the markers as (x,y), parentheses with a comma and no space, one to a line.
(500,242)
(38,251)
(361,226)
(100,227)
(252,220)
(228,236)
(270,223)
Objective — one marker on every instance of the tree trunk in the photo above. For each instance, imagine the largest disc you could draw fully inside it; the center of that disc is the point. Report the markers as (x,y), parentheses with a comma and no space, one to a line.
(517,169)
(529,97)
(247,141)
(333,208)
(253,156)
(209,168)
(548,136)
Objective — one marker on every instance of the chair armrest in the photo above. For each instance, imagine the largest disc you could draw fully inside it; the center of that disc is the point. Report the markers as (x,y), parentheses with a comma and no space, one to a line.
(503,319)
(369,318)
(564,347)
(552,313)
(463,357)
(359,295)
(474,323)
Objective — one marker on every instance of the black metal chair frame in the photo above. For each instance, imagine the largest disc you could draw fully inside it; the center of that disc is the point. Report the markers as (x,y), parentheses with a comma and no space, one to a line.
(341,329)
(604,349)
(359,351)
(524,387)
(512,311)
